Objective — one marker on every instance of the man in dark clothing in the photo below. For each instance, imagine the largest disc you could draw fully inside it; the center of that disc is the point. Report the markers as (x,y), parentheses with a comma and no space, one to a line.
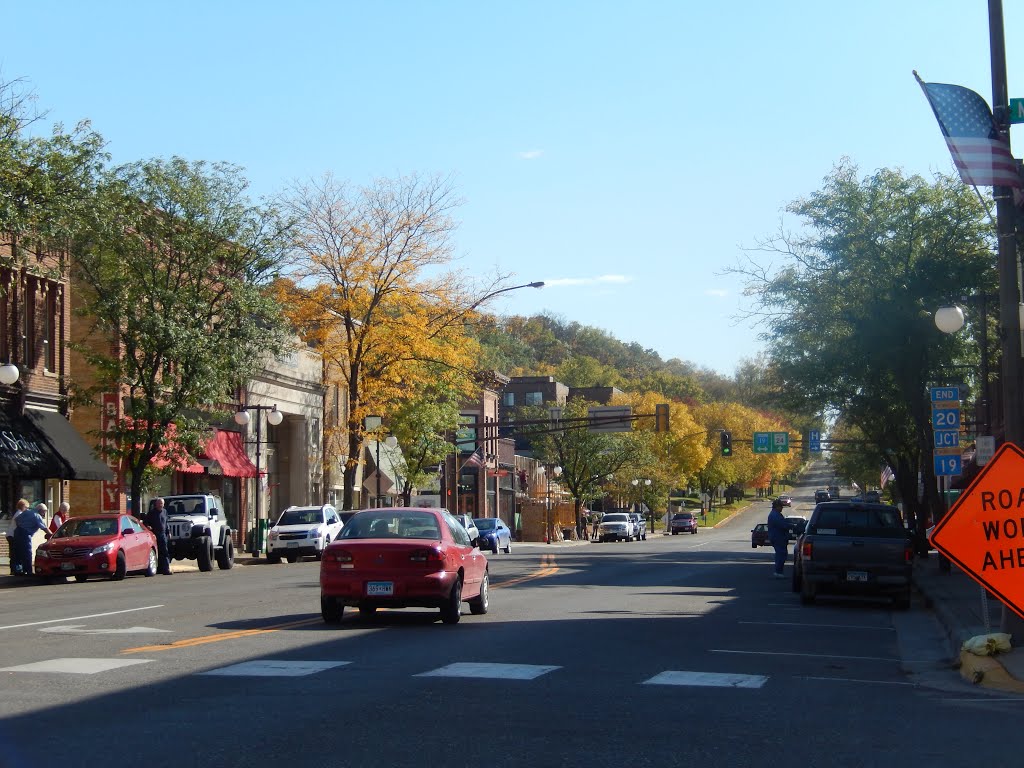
(778,535)
(156,521)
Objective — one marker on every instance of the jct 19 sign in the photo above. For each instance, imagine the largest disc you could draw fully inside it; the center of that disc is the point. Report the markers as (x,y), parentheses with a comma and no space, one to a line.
(946,428)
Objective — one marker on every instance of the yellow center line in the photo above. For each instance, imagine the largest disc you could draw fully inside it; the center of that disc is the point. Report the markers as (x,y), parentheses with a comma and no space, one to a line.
(194,641)
(547,568)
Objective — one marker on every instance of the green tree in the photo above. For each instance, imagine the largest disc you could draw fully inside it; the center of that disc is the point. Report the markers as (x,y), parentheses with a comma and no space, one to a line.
(847,305)
(173,267)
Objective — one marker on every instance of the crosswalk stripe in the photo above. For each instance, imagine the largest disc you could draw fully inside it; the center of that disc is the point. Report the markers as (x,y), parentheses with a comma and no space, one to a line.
(708,679)
(490,671)
(275,668)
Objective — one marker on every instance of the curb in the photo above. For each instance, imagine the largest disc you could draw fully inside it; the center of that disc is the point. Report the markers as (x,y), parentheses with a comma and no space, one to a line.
(989,672)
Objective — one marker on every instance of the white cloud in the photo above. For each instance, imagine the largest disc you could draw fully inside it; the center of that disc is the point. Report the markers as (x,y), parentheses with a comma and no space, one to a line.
(531,154)
(716,292)
(599,280)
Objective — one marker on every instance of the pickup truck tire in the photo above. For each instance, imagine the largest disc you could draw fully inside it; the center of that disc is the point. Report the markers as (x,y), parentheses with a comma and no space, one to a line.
(226,555)
(204,553)
(808,592)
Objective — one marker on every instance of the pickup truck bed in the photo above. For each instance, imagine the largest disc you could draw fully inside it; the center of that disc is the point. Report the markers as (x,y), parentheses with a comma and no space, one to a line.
(852,547)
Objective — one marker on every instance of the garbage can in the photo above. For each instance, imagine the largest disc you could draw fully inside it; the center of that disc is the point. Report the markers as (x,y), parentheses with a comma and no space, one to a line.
(256,547)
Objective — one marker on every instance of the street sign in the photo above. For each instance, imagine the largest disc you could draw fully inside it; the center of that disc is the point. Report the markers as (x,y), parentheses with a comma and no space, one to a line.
(947,464)
(1016,110)
(610,418)
(771,442)
(814,441)
(983,532)
(946,438)
(985,449)
(945,418)
(945,395)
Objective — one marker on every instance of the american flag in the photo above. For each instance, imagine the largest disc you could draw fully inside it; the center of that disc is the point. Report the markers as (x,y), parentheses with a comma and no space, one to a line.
(981,156)
(476,459)
(887,475)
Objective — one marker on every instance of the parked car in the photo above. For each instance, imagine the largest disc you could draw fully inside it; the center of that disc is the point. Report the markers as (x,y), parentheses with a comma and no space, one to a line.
(797,524)
(639,526)
(303,531)
(833,493)
(759,535)
(786,499)
(683,522)
(403,557)
(615,526)
(821,495)
(494,534)
(97,545)
(469,525)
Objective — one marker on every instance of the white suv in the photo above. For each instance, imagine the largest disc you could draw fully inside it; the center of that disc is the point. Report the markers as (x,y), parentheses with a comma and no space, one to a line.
(616,526)
(303,531)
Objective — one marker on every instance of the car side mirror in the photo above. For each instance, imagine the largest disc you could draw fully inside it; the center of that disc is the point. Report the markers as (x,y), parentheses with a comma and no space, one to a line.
(213,513)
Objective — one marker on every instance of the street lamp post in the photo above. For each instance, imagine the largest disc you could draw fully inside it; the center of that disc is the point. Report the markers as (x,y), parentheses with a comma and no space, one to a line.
(950,319)
(390,441)
(637,482)
(242,418)
(549,470)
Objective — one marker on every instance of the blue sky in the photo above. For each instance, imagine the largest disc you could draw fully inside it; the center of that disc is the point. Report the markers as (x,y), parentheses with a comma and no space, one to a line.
(623,152)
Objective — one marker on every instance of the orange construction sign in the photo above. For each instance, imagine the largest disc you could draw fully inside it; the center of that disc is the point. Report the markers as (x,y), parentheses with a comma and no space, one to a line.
(983,532)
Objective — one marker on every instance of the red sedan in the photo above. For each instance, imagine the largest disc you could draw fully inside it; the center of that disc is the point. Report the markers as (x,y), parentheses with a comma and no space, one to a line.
(403,557)
(97,545)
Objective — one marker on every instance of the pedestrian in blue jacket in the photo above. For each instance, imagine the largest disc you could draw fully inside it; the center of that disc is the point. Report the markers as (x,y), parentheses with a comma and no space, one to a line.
(26,523)
(778,535)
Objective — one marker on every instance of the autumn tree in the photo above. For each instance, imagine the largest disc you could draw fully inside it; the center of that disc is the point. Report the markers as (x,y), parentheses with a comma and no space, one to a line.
(370,284)
(173,268)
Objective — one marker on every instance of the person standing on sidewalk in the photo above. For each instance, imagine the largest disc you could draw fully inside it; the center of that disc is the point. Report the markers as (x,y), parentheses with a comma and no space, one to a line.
(26,523)
(778,535)
(60,516)
(156,521)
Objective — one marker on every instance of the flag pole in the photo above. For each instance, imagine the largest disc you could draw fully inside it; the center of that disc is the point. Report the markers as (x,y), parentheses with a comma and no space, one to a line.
(1009,291)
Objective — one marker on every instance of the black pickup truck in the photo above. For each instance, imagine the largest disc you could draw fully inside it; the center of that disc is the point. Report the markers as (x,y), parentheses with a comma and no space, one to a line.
(854,548)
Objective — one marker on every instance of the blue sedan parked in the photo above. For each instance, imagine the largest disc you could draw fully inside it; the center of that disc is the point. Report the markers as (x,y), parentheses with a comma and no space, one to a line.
(494,534)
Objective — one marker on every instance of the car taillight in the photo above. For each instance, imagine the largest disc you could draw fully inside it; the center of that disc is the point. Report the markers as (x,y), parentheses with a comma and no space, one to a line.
(807,550)
(426,555)
(908,552)
(339,557)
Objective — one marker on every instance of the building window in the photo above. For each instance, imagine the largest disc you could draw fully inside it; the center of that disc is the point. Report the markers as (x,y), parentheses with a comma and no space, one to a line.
(533,398)
(508,399)
(49,330)
(25,324)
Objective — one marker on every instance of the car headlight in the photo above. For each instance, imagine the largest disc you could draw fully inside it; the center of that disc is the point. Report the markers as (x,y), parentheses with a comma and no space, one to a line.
(103,548)
(314,533)
(44,553)
(274,535)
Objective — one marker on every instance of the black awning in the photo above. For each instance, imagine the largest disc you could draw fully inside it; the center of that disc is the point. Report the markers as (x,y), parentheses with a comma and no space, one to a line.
(24,452)
(77,457)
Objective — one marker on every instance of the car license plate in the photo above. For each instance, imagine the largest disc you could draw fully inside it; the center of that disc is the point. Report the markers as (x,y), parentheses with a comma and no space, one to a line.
(380,587)
(856,576)
(293,544)
(67,566)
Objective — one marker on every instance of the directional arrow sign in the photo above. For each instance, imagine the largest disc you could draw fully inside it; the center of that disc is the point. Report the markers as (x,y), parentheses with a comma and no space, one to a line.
(79,629)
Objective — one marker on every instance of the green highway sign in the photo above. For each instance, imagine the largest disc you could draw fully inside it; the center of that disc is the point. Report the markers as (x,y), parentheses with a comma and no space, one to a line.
(1017,110)
(771,442)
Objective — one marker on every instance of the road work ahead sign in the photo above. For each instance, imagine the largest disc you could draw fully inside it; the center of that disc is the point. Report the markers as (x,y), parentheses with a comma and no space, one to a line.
(983,532)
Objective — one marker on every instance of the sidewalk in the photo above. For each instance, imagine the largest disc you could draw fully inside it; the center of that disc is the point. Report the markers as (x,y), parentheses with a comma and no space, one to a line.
(961,609)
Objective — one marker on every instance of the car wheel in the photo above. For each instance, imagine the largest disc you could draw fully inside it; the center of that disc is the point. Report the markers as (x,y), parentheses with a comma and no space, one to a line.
(807,592)
(331,610)
(797,581)
(226,556)
(120,567)
(151,566)
(81,578)
(273,558)
(204,553)
(451,611)
(479,605)
(674,532)
(367,611)
(508,547)
(320,554)
(292,558)
(494,547)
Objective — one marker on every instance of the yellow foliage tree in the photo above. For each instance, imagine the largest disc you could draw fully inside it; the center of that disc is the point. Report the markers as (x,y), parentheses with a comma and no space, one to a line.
(368,286)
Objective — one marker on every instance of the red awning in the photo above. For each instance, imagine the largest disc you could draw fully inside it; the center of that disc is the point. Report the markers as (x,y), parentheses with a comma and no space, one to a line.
(227,450)
(223,454)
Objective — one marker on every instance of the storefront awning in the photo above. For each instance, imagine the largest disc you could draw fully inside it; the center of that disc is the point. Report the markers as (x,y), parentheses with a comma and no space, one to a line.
(68,444)
(24,452)
(223,454)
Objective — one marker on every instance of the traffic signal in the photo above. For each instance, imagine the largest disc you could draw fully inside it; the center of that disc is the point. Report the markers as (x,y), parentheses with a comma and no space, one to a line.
(661,417)
(726,443)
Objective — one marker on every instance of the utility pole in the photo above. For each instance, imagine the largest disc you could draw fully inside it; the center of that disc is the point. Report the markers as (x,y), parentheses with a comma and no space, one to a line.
(1006,220)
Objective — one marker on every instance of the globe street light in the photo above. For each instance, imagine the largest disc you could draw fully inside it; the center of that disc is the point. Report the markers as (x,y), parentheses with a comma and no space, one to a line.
(9,374)
(242,419)
(636,484)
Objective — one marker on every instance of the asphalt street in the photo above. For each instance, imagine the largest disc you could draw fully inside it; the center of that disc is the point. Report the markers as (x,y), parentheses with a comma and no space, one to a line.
(671,651)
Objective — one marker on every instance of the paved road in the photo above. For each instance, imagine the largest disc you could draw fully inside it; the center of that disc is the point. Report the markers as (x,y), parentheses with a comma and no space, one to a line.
(673,651)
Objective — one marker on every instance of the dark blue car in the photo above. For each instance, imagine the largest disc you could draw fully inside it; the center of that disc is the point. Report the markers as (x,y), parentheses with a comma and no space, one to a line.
(494,534)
